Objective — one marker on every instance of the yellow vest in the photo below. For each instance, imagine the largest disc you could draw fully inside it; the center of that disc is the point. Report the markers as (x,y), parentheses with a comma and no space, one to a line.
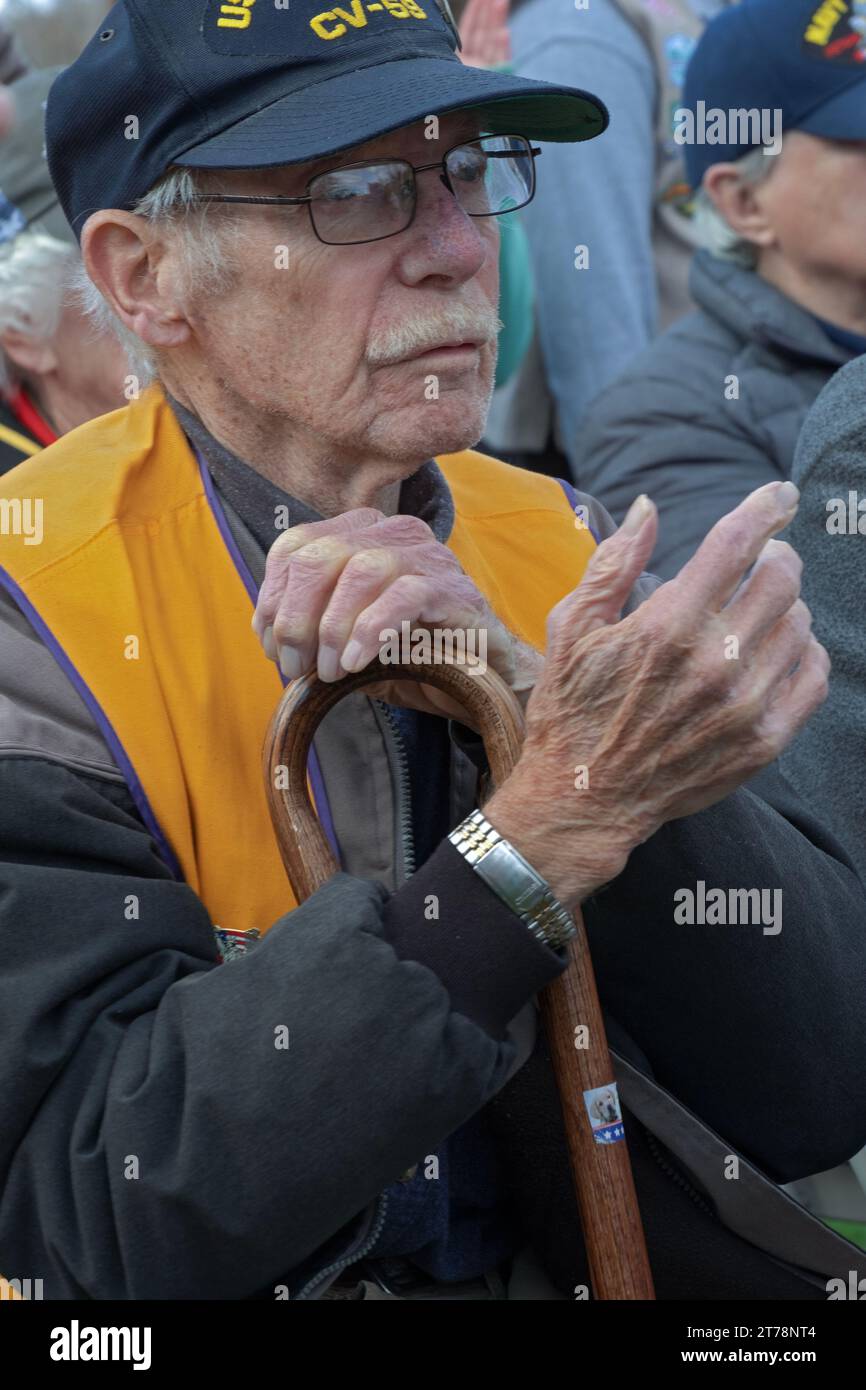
(136,590)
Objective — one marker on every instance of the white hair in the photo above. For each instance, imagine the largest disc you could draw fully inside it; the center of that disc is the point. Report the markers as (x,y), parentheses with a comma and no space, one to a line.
(713,230)
(35,270)
(174,201)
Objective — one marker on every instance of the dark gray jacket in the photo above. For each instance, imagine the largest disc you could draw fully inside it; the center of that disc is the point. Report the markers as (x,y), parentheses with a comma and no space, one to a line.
(709,411)
(828,761)
(154,1143)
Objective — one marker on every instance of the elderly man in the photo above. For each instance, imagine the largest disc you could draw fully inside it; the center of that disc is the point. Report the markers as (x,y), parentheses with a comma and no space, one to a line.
(56,369)
(208,1091)
(713,408)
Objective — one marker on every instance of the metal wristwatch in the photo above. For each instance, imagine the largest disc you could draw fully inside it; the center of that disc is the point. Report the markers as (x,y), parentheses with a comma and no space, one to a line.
(513,880)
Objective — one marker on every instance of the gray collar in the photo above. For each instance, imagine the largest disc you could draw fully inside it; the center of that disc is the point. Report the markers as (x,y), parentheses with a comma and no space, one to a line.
(266,509)
(754,309)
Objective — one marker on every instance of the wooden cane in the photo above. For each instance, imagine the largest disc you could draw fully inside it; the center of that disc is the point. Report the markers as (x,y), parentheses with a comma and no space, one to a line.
(601,1170)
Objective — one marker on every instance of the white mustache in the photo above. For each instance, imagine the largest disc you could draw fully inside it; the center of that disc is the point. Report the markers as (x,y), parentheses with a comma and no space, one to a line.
(457,324)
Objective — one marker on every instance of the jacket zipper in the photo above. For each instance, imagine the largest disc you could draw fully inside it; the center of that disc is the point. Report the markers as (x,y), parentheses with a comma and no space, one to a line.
(407,841)
(407,845)
(351,1256)
(676,1176)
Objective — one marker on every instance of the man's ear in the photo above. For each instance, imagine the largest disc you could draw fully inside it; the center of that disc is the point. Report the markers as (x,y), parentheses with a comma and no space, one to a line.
(740,203)
(134,270)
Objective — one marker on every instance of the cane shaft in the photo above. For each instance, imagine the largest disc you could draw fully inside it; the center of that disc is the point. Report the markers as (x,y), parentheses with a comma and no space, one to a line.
(613,1233)
(603,1182)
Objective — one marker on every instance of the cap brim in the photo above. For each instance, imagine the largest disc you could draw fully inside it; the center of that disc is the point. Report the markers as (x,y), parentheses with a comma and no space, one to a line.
(843,117)
(358,106)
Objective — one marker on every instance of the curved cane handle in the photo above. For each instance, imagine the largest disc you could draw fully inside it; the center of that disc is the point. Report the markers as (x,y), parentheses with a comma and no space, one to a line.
(305,850)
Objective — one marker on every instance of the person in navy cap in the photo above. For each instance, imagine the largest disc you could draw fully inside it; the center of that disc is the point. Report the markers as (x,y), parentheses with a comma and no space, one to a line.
(773,129)
(209,1090)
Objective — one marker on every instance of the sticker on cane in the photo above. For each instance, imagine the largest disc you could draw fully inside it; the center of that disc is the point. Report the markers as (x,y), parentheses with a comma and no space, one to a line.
(605,1115)
(232,943)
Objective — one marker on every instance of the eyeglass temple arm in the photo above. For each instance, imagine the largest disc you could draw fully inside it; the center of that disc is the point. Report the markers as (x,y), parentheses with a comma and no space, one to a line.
(445,10)
(509,154)
(281,201)
(247,198)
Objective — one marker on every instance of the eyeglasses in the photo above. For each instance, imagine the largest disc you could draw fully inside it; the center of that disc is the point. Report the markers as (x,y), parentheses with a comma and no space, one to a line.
(369,201)
(445,10)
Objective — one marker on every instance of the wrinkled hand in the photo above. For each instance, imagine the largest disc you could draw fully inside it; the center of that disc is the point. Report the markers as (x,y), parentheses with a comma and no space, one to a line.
(331,588)
(484,34)
(669,709)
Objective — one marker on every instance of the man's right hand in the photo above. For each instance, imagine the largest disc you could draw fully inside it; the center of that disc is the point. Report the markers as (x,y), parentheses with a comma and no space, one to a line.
(638,721)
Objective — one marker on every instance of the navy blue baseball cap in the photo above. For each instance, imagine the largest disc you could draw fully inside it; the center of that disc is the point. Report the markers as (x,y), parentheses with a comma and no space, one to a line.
(229,84)
(803,59)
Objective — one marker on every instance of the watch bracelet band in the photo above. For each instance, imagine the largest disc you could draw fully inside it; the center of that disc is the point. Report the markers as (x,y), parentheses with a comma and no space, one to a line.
(513,880)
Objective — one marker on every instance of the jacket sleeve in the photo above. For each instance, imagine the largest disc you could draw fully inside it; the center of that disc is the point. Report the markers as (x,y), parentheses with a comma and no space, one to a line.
(761,1031)
(172,1127)
(600,199)
(690,453)
(827,763)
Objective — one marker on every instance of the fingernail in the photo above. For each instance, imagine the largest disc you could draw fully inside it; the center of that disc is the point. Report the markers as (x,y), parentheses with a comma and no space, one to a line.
(787,496)
(269,644)
(290,663)
(351,658)
(329,664)
(636,515)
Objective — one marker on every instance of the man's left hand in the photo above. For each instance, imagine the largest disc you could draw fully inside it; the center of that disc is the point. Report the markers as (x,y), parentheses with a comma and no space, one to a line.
(331,588)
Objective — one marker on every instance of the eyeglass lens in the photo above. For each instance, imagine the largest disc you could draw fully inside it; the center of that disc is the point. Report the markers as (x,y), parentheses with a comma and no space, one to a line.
(366,202)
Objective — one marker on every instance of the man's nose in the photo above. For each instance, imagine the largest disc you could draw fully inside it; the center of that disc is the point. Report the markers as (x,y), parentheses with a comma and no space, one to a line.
(444,241)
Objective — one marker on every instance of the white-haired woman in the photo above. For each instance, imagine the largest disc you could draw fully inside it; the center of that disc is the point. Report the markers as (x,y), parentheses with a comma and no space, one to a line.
(57,369)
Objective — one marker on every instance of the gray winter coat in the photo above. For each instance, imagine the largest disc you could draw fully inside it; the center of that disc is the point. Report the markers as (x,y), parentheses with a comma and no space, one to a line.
(828,761)
(710,410)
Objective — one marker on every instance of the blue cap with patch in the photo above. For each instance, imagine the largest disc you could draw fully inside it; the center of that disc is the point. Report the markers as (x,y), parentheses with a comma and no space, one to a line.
(228,84)
(764,67)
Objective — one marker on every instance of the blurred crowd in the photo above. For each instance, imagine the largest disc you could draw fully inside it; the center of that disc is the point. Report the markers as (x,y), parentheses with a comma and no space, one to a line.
(674,300)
